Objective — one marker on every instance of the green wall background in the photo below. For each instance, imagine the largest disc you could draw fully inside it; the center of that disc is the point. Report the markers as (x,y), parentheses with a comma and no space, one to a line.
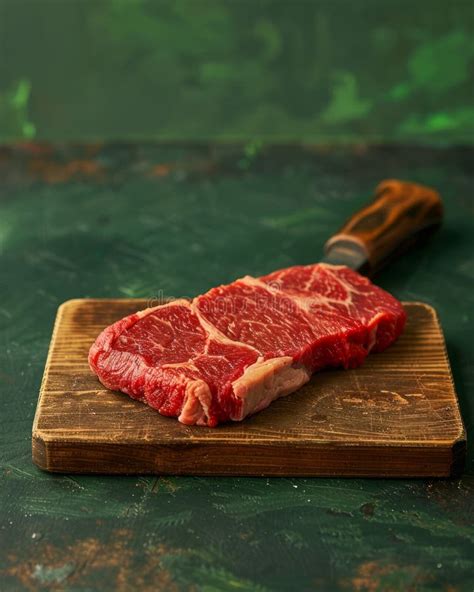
(333,70)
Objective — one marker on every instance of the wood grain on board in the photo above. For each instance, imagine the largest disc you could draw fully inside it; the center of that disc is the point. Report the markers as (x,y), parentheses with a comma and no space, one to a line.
(397,415)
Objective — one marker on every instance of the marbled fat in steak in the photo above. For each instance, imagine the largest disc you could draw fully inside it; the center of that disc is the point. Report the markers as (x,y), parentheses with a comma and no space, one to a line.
(231,352)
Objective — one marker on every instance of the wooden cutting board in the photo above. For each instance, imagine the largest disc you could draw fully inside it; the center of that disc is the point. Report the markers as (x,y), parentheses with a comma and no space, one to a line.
(395,416)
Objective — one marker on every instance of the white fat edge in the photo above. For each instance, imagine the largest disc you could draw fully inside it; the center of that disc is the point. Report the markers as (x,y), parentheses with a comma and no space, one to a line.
(267,380)
(178,302)
(373,328)
(329,265)
(195,409)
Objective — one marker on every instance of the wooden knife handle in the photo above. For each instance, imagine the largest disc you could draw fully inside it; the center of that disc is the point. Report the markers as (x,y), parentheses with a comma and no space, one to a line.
(401,214)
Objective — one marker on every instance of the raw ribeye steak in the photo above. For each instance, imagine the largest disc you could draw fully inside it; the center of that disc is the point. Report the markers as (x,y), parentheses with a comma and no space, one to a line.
(232,351)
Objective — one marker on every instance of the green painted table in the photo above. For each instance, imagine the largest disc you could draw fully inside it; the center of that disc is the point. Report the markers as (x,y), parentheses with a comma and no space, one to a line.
(145,220)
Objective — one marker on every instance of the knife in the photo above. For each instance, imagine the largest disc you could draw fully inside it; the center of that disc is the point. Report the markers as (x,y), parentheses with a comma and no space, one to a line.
(401,214)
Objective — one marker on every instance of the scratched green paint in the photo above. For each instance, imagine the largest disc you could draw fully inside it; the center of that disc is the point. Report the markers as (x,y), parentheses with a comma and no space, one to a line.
(129,233)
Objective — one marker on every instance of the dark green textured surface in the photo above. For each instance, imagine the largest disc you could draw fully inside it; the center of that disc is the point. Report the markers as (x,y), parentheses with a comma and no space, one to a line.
(119,221)
(391,70)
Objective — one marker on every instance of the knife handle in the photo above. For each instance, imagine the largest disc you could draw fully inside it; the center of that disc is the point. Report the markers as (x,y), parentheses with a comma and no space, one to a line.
(400,215)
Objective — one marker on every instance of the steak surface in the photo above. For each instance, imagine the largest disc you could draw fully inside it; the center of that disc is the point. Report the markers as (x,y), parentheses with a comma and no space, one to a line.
(232,351)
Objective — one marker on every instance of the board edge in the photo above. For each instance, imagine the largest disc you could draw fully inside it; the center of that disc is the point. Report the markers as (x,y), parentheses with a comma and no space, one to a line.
(54,457)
